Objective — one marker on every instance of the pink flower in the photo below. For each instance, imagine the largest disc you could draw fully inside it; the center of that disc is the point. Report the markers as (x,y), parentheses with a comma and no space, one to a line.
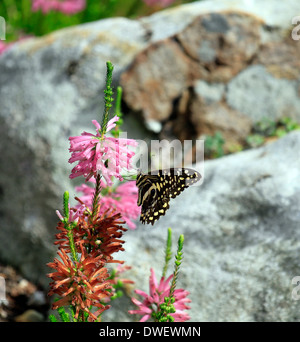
(72,6)
(74,213)
(158,292)
(64,6)
(123,198)
(160,3)
(98,153)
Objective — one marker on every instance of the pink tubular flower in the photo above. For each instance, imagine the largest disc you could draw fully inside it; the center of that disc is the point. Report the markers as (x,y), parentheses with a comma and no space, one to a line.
(98,153)
(123,198)
(82,283)
(158,292)
(64,6)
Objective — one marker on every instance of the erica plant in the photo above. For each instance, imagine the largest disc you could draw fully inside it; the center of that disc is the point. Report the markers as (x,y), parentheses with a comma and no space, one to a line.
(90,233)
(164,303)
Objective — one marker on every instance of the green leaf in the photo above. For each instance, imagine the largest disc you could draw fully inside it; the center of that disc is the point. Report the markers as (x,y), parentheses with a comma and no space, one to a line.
(52,318)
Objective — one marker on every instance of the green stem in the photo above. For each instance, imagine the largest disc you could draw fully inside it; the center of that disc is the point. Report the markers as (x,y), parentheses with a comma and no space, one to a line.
(66,205)
(133,8)
(5,11)
(116,131)
(118,101)
(95,205)
(178,260)
(168,252)
(108,99)
(69,226)
(165,309)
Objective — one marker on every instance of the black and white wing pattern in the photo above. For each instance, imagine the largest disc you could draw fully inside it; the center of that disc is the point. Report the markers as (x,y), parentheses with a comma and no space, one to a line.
(157,187)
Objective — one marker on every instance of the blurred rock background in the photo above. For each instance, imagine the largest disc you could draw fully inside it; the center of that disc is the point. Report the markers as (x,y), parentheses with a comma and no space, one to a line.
(220,70)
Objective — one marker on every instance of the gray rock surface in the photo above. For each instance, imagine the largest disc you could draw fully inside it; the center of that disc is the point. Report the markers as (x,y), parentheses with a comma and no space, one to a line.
(273,97)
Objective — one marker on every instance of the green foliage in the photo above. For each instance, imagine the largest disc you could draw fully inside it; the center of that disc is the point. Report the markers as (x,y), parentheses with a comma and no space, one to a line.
(255,140)
(178,260)
(213,145)
(261,131)
(118,285)
(52,318)
(168,252)
(108,99)
(64,316)
(66,205)
(116,131)
(166,308)
(21,20)
(267,128)
(289,124)
(69,226)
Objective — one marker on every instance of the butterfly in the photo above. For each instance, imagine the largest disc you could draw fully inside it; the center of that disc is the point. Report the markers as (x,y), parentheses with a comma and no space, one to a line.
(157,187)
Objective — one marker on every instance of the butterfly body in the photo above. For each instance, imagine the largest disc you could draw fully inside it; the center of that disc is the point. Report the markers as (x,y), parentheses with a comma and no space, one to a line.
(157,187)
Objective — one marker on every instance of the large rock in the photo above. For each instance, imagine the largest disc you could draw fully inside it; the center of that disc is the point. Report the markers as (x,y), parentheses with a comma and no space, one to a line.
(243,48)
(242,239)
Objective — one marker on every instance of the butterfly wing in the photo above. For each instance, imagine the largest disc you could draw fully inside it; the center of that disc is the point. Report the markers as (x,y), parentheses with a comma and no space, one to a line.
(177,180)
(152,214)
(156,189)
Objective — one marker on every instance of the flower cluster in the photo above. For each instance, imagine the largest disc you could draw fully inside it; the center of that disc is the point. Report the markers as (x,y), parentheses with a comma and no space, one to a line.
(64,6)
(151,304)
(83,281)
(100,233)
(98,153)
(122,198)
(81,284)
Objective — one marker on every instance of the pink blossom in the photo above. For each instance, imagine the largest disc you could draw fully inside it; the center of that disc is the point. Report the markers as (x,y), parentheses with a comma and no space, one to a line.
(160,3)
(64,6)
(158,292)
(99,153)
(123,198)
(74,213)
